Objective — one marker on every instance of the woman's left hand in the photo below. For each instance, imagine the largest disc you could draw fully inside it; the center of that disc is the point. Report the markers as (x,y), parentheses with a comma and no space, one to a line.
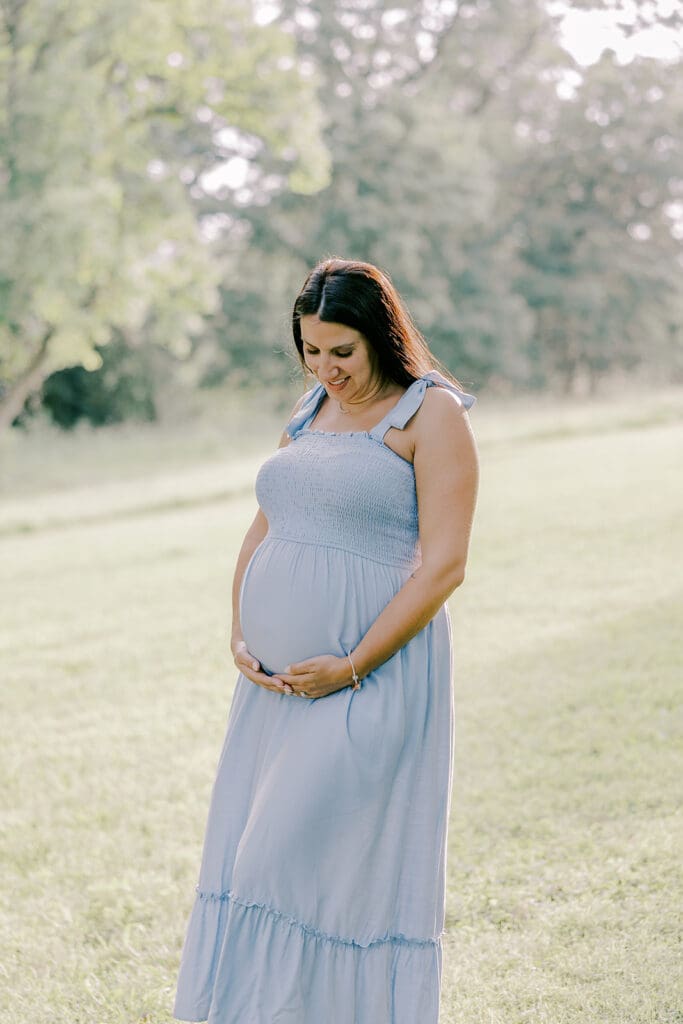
(318,676)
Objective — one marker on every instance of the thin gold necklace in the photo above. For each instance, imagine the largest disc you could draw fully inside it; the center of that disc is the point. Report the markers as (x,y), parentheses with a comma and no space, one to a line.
(347,412)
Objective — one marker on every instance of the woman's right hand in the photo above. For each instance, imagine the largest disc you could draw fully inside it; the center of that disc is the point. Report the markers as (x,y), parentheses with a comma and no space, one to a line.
(249,666)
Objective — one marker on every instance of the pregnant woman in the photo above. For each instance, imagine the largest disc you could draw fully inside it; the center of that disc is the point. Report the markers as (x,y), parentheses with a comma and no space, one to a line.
(321,894)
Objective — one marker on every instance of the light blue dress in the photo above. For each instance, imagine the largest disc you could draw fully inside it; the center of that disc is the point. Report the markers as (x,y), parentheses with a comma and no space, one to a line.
(321,895)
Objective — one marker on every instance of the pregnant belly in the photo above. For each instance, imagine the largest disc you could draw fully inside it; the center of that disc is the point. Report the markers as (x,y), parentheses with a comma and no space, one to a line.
(301,600)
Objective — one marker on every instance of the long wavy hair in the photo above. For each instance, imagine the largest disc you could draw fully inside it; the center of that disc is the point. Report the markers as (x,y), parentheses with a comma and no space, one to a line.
(361,296)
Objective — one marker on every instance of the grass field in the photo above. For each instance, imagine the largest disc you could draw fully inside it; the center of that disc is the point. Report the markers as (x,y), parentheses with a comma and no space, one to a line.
(116,555)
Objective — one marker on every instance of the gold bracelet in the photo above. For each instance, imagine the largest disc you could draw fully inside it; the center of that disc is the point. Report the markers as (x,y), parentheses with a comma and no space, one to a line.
(356,680)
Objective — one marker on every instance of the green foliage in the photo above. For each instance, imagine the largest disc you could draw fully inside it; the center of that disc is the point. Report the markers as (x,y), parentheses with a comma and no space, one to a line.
(413,189)
(113,113)
(122,389)
(522,204)
(592,189)
(528,208)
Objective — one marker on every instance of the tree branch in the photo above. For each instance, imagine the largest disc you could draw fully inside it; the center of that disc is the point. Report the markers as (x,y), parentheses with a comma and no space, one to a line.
(12,402)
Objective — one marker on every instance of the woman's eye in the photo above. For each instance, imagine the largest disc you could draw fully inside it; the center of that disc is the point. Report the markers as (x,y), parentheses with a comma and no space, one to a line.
(314,352)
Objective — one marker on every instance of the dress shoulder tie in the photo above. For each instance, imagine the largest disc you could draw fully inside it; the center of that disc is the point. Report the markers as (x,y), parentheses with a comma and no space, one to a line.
(411,400)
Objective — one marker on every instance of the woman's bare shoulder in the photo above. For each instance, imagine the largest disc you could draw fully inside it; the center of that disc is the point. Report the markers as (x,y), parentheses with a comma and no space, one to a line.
(441,408)
(442,423)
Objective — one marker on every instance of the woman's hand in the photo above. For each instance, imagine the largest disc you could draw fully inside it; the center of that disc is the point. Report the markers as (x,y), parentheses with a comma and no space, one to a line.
(318,676)
(249,666)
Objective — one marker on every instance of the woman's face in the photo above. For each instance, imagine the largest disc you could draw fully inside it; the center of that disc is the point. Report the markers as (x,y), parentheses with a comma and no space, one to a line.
(337,353)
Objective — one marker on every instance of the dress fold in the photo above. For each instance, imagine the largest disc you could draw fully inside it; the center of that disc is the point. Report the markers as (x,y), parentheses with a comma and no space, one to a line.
(264,965)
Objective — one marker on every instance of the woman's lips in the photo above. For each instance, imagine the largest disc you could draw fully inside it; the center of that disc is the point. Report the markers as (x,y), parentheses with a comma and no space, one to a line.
(337,385)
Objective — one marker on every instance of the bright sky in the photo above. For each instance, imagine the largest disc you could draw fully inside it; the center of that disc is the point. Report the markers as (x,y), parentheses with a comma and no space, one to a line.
(587,33)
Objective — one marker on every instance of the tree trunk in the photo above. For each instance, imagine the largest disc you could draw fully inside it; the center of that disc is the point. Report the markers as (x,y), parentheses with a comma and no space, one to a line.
(12,402)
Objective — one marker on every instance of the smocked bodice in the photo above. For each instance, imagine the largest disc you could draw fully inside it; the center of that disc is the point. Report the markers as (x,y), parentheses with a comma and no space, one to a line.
(347,490)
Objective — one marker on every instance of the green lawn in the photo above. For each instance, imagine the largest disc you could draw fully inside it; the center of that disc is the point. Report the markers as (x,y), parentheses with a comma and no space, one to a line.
(116,557)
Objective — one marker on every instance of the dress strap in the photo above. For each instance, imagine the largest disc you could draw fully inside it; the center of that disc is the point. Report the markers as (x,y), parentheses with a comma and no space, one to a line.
(307,410)
(411,400)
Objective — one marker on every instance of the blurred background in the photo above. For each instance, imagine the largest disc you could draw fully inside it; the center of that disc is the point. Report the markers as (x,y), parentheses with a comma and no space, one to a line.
(169,172)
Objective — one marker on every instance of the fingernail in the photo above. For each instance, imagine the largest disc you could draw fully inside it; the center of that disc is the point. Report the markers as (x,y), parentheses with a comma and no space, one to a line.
(288,688)
(288,669)
(254,664)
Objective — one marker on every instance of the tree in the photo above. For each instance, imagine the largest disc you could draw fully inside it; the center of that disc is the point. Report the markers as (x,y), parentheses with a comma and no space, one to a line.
(412,189)
(588,170)
(113,114)
(599,245)
(525,205)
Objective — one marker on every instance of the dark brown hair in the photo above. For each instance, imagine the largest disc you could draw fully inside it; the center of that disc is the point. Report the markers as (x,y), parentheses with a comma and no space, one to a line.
(363,297)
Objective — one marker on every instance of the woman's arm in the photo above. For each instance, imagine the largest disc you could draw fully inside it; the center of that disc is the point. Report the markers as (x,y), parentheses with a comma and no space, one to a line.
(446,478)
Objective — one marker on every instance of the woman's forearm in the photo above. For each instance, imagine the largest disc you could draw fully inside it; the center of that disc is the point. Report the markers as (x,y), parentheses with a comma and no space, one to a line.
(253,537)
(409,611)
